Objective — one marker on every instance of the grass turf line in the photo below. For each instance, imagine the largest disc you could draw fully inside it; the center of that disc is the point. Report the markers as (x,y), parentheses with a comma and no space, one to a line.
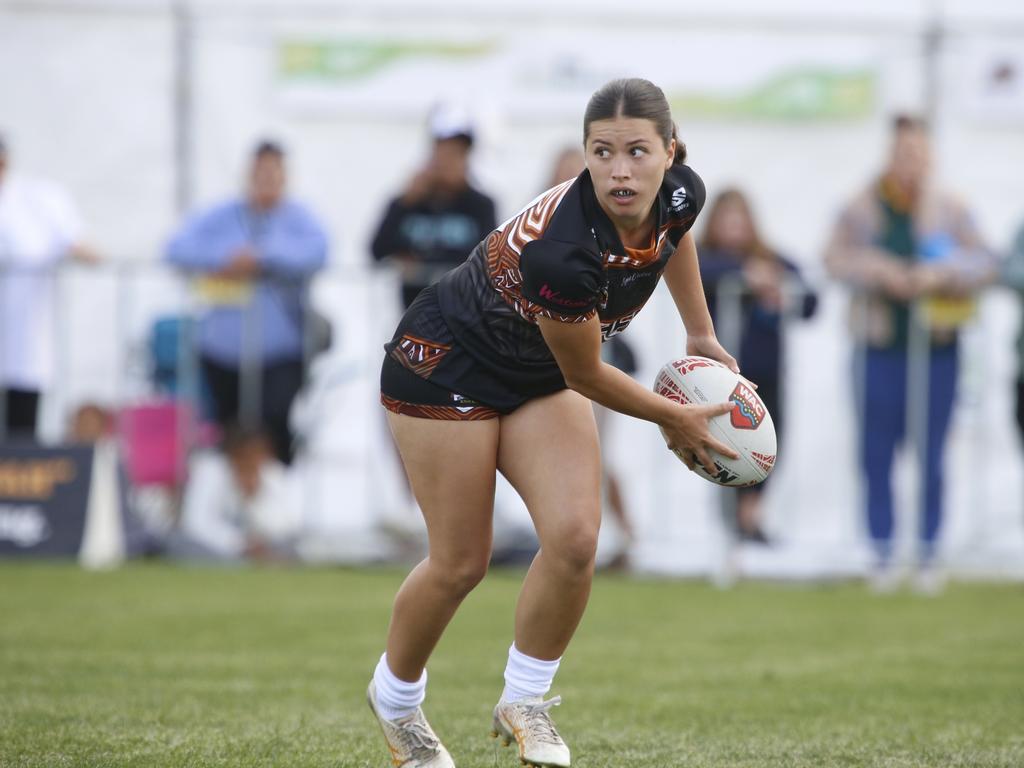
(158,666)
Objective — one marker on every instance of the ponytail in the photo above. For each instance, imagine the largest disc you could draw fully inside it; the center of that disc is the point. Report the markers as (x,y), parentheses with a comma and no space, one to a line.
(680,156)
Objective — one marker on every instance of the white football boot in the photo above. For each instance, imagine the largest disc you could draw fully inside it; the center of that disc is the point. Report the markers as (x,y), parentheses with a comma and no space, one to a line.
(529,724)
(411,740)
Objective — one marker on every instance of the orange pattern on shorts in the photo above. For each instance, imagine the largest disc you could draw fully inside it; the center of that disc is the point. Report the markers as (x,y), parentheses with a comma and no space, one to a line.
(441,412)
(419,355)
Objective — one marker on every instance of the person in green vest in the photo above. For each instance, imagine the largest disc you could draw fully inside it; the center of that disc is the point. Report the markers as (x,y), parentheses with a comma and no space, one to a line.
(914,259)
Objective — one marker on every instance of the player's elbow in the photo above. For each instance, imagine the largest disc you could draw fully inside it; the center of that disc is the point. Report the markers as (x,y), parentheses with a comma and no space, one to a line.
(582,379)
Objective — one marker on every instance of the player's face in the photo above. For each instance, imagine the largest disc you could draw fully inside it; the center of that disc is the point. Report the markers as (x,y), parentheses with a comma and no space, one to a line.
(627,161)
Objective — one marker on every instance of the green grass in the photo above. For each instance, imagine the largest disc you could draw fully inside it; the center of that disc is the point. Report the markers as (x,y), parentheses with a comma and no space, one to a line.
(158,666)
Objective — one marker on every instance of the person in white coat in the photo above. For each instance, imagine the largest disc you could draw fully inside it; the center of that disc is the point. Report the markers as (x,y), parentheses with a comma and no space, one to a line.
(39,227)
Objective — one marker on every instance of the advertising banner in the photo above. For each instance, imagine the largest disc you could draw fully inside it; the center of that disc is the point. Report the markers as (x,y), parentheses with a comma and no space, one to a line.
(553,74)
(44,497)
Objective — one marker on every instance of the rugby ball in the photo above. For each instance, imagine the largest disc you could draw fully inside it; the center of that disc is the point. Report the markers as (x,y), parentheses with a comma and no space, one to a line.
(747,428)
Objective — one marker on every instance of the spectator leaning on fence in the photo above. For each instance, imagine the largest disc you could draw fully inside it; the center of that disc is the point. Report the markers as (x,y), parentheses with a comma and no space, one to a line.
(908,250)
(256,255)
(739,270)
(39,227)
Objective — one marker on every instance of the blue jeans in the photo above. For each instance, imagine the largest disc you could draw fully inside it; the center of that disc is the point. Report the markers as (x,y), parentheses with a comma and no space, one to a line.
(883,421)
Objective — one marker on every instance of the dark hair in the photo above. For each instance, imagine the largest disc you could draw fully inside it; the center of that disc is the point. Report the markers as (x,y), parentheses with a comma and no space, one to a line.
(907,122)
(634,97)
(268,148)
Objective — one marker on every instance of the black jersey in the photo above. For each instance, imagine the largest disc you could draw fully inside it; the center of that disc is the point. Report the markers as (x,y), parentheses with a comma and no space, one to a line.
(476,332)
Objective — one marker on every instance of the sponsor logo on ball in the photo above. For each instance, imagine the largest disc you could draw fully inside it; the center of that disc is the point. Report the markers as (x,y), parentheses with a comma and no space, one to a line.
(723,475)
(748,411)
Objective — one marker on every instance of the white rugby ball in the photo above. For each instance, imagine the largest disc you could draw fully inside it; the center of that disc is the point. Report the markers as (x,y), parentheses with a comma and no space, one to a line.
(747,428)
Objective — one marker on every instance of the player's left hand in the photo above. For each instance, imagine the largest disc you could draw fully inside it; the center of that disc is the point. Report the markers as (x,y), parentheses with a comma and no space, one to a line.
(708,346)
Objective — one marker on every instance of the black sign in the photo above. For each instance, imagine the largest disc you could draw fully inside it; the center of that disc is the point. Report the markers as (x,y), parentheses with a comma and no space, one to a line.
(44,496)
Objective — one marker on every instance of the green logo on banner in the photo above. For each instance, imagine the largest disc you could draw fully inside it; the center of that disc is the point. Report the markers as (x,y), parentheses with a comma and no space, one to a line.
(337,60)
(802,95)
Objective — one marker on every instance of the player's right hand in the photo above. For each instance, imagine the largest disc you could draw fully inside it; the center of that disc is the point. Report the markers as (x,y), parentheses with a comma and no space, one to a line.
(689,435)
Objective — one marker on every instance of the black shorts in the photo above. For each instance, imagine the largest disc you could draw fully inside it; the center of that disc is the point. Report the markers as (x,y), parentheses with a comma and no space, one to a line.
(402,391)
(421,344)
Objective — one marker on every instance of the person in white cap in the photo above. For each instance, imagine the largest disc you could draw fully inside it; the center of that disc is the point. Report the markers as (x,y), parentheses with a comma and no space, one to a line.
(438,219)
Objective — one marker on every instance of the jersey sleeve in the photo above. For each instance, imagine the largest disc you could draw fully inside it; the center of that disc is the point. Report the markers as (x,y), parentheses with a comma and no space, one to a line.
(687,195)
(563,280)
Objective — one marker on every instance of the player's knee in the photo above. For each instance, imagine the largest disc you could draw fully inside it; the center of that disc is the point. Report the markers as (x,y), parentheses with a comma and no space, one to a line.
(459,577)
(576,547)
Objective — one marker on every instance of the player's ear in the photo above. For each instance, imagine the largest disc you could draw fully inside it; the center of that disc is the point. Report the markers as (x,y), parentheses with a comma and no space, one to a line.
(671,153)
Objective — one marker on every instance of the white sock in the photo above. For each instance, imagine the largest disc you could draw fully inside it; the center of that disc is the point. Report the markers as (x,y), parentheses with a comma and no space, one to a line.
(527,677)
(397,698)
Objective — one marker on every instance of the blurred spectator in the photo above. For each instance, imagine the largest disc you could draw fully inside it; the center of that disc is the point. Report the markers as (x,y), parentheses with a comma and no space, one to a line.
(91,423)
(909,250)
(1013,276)
(439,217)
(569,164)
(39,227)
(237,504)
(741,273)
(257,254)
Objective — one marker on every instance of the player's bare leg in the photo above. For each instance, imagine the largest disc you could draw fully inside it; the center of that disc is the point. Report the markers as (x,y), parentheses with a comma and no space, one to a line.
(451,469)
(549,453)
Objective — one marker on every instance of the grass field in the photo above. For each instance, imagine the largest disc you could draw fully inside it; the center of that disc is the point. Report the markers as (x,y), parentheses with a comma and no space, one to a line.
(160,666)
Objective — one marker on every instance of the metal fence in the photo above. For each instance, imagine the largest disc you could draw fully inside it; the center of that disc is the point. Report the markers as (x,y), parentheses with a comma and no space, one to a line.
(354,499)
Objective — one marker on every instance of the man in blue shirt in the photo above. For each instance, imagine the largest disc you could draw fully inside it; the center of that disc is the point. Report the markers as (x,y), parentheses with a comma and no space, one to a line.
(253,258)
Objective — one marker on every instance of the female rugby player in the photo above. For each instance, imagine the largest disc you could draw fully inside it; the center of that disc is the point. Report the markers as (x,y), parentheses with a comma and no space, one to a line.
(493,369)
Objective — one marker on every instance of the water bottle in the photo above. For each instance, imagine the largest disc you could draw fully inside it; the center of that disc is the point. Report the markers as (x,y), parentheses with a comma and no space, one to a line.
(943,312)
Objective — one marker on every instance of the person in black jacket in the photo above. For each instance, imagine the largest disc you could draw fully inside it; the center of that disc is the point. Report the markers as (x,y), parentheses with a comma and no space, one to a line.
(494,368)
(439,217)
(739,271)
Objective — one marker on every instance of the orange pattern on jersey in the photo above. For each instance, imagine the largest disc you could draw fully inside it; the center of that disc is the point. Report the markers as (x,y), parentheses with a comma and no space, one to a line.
(419,355)
(505,245)
(440,412)
(637,257)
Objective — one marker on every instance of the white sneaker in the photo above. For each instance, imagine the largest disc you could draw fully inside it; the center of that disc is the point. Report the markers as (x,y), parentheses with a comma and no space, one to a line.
(529,723)
(411,740)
